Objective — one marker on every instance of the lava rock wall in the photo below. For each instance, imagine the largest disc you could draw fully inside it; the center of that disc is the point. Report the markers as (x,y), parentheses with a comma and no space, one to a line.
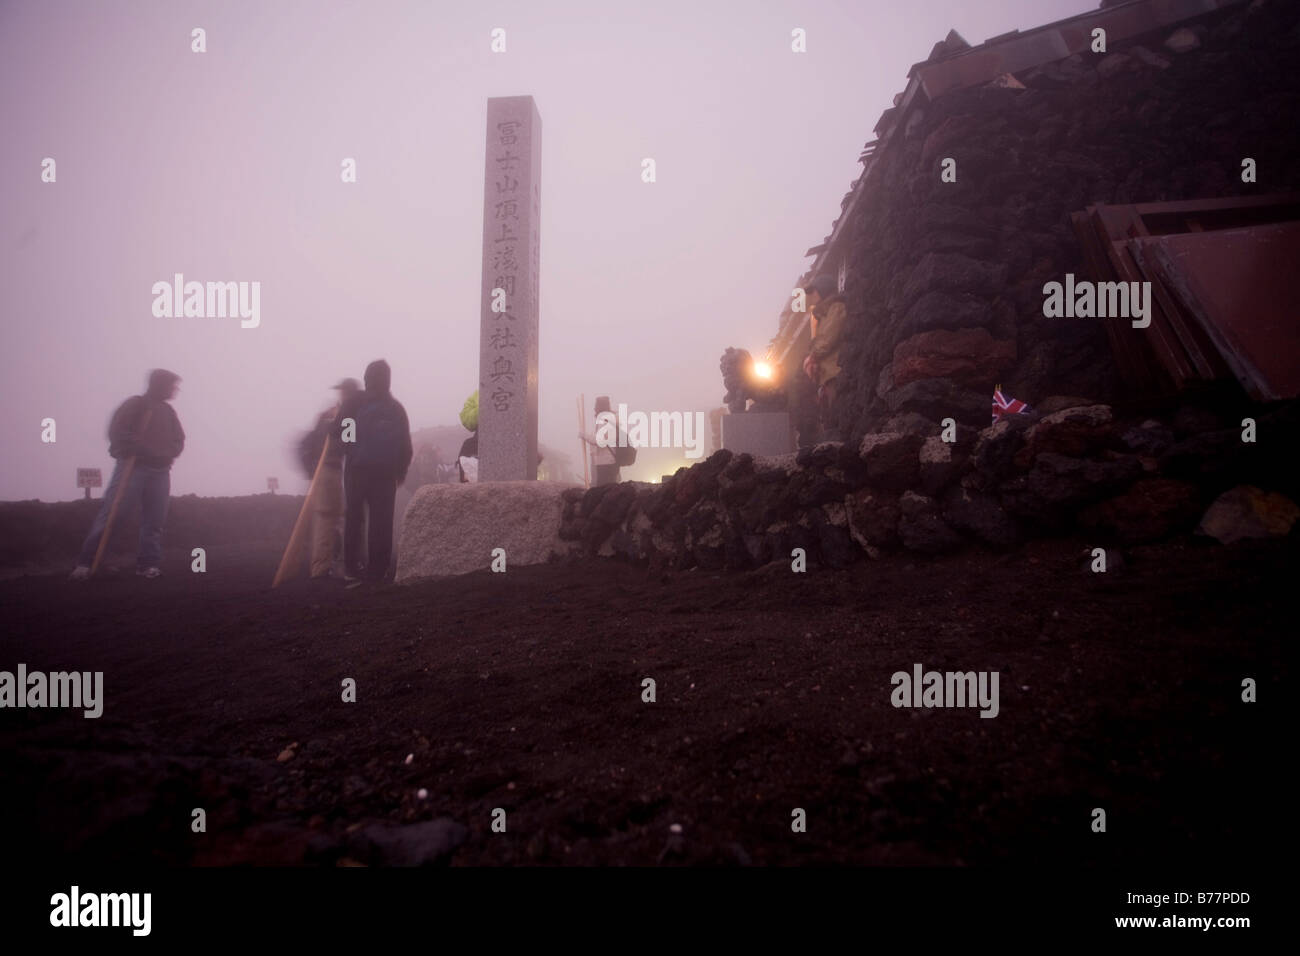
(944,280)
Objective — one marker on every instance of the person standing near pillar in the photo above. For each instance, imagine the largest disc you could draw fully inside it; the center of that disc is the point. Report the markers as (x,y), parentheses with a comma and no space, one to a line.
(467,457)
(610,451)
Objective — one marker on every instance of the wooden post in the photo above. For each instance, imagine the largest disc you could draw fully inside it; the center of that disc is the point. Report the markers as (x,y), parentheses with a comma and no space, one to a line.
(117,498)
(302,525)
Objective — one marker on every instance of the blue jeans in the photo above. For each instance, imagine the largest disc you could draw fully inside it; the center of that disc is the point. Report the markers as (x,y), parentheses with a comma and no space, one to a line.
(152,488)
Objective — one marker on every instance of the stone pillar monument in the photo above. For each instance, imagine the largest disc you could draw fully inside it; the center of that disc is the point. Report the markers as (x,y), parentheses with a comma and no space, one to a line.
(507,396)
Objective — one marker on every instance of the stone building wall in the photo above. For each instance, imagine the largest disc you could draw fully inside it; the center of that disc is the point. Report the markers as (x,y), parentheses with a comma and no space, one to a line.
(945,280)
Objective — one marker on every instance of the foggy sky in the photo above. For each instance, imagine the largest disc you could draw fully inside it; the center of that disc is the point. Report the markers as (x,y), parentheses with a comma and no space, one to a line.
(225,166)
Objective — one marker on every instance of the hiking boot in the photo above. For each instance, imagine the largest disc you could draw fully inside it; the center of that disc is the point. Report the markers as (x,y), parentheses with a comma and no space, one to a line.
(80,573)
(148,572)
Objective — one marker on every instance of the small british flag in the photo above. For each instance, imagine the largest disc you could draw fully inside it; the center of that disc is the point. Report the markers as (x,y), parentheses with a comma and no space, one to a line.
(1002,405)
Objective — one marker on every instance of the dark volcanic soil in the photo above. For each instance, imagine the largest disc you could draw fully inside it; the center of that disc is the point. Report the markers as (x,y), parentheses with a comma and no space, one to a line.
(523,691)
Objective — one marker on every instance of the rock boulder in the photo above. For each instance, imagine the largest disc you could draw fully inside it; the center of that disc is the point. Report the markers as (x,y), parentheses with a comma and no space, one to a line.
(452,529)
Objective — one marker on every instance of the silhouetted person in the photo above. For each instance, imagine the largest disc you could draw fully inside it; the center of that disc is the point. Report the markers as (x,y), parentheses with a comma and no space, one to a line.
(823,361)
(376,458)
(144,427)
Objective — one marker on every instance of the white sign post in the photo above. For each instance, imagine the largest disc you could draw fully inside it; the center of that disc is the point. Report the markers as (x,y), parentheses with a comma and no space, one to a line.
(89,478)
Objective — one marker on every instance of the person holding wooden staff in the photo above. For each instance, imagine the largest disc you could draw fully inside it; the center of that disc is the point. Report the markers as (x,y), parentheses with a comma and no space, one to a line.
(327,515)
(145,437)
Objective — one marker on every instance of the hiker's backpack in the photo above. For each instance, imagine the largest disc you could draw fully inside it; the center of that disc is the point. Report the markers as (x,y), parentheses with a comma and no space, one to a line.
(378,444)
(624,454)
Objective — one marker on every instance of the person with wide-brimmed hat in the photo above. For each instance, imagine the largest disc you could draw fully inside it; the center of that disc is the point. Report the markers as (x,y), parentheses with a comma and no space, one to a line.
(327,512)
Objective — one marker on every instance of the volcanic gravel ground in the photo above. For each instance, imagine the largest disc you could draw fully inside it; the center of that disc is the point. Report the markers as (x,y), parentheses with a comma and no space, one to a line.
(523,691)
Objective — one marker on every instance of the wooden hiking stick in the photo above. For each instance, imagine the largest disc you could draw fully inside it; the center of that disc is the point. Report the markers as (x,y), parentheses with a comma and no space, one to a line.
(586,455)
(301,525)
(122,483)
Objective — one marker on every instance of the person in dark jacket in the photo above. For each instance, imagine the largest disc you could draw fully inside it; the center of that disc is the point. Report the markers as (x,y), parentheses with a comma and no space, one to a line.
(144,427)
(376,437)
